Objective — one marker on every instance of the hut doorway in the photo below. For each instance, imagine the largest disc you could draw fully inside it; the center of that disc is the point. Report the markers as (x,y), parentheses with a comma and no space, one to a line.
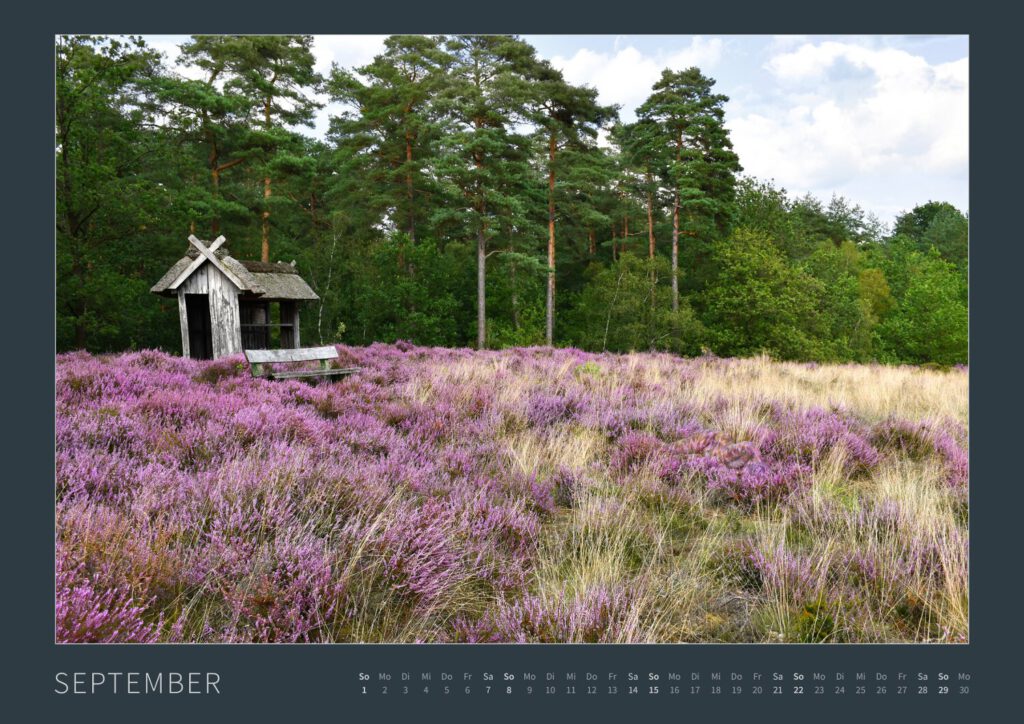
(200,331)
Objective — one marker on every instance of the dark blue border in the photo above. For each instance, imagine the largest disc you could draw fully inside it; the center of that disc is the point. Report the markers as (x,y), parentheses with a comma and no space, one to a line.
(284,683)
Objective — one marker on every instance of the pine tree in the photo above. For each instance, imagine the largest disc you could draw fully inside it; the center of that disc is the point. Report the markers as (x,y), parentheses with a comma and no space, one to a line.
(695,153)
(485,158)
(391,132)
(567,116)
(275,73)
(212,117)
(641,150)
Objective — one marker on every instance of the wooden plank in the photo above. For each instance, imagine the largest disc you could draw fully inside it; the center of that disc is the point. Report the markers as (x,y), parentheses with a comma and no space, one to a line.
(234,320)
(217,316)
(199,282)
(206,254)
(294,374)
(212,258)
(183,314)
(307,354)
(195,263)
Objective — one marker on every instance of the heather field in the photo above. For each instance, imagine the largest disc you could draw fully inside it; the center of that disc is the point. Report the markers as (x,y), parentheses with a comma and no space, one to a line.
(525,495)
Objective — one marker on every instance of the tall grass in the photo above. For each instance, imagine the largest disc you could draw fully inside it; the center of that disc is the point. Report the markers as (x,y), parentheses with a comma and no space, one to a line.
(526,495)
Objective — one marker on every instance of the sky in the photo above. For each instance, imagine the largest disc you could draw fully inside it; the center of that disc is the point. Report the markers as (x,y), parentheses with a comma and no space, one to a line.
(881,120)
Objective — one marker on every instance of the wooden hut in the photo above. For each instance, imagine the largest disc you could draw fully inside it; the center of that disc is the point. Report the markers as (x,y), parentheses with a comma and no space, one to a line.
(225,304)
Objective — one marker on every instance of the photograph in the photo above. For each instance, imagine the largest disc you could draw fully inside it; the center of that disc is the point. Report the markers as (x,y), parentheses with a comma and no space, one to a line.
(511,339)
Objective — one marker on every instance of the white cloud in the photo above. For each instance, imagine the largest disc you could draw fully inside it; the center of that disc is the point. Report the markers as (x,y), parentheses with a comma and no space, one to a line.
(169,45)
(625,75)
(348,51)
(811,133)
(785,42)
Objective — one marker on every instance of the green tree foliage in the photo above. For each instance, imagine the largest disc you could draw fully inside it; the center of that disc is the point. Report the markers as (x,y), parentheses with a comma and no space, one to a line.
(388,304)
(759,303)
(875,292)
(929,323)
(846,315)
(516,283)
(849,222)
(210,119)
(457,172)
(387,137)
(936,224)
(111,203)
(640,155)
(690,145)
(760,206)
(275,74)
(915,223)
(484,159)
(617,312)
(566,116)
(940,226)
(947,233)
(588,202)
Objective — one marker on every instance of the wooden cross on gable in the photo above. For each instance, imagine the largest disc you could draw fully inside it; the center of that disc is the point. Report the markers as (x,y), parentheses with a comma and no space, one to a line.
(206,254)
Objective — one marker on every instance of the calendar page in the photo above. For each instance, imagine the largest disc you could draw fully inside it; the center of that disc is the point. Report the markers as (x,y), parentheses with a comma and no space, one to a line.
(606,363)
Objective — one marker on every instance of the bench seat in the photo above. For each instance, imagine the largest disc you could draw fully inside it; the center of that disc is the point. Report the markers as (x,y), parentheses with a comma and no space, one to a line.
(292,374)
(257,358)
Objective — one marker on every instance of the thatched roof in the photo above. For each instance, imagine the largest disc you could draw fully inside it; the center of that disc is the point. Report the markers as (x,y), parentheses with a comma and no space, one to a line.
(268,280)
(161,287)
(268,267)
(278,285)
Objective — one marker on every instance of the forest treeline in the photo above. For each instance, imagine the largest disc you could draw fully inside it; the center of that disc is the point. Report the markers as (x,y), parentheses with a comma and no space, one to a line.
(469,195)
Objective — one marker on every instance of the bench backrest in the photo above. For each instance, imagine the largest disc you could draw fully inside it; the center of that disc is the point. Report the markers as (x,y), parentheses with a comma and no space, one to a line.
(303,354)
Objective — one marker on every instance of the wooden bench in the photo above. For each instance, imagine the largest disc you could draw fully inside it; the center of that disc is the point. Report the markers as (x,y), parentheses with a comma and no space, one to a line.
(259,357)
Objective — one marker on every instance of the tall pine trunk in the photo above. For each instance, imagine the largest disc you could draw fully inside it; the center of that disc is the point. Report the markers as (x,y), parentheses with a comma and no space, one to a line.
(481,286)
(265,245)
(327,288)
(216,169)
(650,221)
(215,181)
(650,247)
(675,230)
(515,296)
(481,263)
(551,241)
(675,253)
(409,186)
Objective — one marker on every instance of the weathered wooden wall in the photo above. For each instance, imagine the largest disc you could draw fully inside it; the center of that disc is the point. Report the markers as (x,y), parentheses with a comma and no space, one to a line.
(224,318)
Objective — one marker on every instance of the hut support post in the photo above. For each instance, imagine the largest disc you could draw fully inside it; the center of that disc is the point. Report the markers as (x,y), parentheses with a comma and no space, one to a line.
(183,315)
(290,316)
